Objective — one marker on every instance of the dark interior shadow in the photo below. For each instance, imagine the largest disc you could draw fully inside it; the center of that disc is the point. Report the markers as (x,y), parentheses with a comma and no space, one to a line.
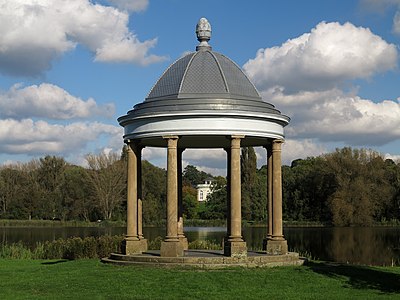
(54,262)
(359,277)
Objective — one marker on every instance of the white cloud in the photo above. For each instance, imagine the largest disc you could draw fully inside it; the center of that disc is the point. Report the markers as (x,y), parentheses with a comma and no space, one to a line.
(39,137)
(294,149)
(395,158)
(323,59)
(336,116)
(130,5)
(303,78)
(48,101)
(35,32)
(396,22)
(156,156)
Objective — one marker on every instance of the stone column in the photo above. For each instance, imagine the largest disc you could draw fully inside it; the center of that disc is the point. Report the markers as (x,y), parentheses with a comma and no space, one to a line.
(269,195)
(270,187)
(143,241)
(181,235)
(277,244)
(235,246)
(131,243)
(228,193)
(171,246)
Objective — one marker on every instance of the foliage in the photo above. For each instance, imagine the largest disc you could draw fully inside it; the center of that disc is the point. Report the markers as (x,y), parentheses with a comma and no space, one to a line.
(347,187)
(189,202)
(216,206)
(205,245)
(71,248)
(192,177)
(154,181)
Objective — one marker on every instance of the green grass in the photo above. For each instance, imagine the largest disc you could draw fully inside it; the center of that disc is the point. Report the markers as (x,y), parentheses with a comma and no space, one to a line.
(90,279)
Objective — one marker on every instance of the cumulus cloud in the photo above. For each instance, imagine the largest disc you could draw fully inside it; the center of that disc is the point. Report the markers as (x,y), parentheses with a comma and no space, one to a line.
(39,137)
(334,115)
(48,101)
(323,59)
(35,32)
(294,149)
(130,5)
(304,76)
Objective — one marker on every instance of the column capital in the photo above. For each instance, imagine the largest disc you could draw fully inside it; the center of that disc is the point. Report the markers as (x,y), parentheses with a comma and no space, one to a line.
(277,145)
(172,141)
(237,136)
(167,137)
(235,141)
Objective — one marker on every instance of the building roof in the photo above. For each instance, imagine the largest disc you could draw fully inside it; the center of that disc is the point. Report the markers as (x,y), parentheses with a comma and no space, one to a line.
(203,93)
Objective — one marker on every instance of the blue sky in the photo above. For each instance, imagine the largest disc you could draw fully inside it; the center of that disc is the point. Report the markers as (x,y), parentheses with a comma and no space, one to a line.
(68,69)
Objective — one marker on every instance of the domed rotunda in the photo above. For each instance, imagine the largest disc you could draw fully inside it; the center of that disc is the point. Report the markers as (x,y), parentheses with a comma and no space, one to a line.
(204,100)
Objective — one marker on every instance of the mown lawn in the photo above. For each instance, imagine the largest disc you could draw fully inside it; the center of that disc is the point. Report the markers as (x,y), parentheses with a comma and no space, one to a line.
(90,279)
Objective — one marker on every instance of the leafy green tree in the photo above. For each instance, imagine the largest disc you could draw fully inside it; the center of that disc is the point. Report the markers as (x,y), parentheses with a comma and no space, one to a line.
(50,176)
(154,182)
(307,184)
(362,190)
(189,202)
(216,204)
(191,176)
(253,185)
(77,201)
(12,193)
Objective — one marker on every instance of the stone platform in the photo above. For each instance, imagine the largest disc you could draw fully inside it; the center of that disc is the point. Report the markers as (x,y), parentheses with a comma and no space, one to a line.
(206,259)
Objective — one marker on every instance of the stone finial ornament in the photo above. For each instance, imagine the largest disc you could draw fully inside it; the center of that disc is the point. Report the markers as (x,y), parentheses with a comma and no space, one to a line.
(203,32)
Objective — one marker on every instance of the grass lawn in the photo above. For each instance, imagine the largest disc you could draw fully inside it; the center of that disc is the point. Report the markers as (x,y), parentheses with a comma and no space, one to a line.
(90,279)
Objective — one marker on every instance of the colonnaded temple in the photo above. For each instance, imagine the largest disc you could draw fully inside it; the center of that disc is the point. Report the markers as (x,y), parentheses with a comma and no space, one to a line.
(204,100)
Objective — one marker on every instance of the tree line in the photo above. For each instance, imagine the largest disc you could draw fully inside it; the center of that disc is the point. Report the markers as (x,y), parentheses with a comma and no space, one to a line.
(342,188)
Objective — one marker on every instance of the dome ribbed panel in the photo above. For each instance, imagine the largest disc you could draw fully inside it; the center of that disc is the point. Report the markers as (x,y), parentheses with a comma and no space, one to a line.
(238,83)
(170,81)
(203,76)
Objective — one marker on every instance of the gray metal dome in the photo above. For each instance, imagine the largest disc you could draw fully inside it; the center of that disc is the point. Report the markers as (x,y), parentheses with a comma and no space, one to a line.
(203,85)
(204,74)
(203,80)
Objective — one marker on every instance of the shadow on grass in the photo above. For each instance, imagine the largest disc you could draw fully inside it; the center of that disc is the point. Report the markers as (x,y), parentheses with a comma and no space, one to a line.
(359,277)
(55,262)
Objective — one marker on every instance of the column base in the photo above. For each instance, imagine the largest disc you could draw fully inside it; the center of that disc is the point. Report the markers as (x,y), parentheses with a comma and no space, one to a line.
(171,249)
(276,247)
(235,249)
(129,247)
(184,241)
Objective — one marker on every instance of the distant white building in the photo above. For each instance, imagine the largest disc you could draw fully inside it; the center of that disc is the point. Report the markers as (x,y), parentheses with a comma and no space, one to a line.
(203,190)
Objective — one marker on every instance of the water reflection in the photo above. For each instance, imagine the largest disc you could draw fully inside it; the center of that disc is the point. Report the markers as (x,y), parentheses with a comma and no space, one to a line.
(366,245)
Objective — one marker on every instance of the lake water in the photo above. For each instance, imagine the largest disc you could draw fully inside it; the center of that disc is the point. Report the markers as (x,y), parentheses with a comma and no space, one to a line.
(364,245)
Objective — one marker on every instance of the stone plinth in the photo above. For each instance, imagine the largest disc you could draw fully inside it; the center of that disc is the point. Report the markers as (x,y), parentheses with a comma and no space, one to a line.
(171,249)
(235,249)
(206,259)
(276,247)
(130,247)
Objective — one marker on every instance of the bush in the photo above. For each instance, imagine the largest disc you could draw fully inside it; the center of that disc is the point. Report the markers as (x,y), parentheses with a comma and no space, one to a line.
(155,244)
(205,245)
(71,248)
(15,251)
